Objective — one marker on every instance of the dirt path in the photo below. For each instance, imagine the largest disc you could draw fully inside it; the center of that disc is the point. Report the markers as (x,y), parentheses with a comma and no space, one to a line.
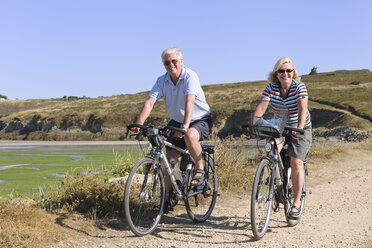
(338,213)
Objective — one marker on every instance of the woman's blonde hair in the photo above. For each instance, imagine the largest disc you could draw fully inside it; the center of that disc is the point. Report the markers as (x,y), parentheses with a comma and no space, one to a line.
(272,76)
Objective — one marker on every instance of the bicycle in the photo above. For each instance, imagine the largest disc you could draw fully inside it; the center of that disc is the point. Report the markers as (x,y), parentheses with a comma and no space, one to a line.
(272,184)
(144,194)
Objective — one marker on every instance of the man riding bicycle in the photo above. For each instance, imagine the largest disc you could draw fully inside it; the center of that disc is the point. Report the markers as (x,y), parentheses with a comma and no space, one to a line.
(185,102)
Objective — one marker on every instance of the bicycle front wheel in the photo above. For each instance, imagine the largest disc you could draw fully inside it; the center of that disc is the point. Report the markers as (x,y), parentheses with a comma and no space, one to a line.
(200,200)
(144,197)
(261,199)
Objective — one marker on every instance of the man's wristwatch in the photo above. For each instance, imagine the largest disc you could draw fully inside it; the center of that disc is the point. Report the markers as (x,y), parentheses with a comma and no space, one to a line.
(183,126)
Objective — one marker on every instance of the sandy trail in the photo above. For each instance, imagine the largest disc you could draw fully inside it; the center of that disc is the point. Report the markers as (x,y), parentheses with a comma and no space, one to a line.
(338,213)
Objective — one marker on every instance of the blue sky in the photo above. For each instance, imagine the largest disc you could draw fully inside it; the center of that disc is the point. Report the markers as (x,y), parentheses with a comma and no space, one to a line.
(51,49)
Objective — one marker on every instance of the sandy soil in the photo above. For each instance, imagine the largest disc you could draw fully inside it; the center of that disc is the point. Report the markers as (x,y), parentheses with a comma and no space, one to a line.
(338,213)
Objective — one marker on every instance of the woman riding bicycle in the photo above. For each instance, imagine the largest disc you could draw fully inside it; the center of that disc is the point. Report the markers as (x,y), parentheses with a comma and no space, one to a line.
(285,87)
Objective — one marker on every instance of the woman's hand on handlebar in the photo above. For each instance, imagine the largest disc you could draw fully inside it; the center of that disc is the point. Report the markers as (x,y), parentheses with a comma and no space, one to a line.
(295,133)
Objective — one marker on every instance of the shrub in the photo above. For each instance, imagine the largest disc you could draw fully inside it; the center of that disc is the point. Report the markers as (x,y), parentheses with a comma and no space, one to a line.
(91,195)
(236,166)
(90,192)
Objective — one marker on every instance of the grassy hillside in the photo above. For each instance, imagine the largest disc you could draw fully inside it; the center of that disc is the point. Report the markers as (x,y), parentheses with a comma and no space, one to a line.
(337,99)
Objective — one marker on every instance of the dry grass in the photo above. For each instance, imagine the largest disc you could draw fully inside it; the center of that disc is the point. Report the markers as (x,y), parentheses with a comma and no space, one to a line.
(325,150)
(22,226)
(236,167)
(94,196)
(90,195)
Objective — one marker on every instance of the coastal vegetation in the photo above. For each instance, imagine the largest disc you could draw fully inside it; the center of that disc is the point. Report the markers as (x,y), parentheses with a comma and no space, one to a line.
(339,99)
(91,184)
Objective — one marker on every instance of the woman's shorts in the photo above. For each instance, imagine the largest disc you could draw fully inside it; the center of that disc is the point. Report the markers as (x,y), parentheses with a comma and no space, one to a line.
(299,146)
(203,126)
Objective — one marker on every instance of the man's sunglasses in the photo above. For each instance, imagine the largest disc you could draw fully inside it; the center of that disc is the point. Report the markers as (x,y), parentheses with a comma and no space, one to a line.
(173,61)
(281,71)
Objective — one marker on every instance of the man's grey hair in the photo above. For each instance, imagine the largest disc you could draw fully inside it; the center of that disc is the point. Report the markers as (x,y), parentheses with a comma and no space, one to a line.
(170,51)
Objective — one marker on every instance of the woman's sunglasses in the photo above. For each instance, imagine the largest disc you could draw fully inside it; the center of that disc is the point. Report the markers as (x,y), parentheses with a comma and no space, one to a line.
(281,71)
(173,61)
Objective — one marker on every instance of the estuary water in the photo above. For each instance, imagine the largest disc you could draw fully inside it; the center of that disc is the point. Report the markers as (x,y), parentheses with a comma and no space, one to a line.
(53,145)
(27,166)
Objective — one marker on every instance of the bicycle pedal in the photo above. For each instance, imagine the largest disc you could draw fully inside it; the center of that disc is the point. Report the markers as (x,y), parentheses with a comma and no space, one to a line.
(292,218)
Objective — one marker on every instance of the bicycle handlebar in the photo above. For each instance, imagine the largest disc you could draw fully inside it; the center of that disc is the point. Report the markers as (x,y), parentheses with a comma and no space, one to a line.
(301,131)
(135,125)
(183,131)
(162,131)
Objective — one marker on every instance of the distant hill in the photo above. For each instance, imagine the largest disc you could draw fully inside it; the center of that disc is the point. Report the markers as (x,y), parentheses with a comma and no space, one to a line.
(338,99)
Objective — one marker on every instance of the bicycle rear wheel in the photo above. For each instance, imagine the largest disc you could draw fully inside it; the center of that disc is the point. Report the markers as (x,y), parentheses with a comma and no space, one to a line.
(261,199)
(290,197)
(144,197)
(200,200)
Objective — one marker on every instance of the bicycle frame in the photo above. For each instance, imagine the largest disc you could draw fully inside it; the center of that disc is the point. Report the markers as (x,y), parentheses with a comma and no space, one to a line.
(277,167)
(160,153)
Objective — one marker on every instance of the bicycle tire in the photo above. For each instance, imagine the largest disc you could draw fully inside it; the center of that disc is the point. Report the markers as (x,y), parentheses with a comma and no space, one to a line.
(200,200)
(261,198)
(143,212)
(289,201)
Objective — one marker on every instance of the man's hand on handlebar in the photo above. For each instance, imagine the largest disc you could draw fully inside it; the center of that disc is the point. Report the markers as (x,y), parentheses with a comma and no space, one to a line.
(179,134)
(135,129)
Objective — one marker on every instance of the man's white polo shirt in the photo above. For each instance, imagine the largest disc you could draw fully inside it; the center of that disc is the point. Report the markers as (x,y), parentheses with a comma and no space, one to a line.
(175,95)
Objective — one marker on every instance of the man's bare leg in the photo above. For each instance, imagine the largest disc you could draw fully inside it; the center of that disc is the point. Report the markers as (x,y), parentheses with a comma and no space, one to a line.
(192,142)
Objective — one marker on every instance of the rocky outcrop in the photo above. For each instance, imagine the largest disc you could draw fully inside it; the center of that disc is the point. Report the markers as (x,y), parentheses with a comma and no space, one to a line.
(38,124)
(2,125)
(93,125)
(72,127)
(232,125)
(75,127)
(346,134)
(15,125)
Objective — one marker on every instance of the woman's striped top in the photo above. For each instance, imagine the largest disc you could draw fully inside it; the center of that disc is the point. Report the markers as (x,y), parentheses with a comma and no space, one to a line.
(296,92)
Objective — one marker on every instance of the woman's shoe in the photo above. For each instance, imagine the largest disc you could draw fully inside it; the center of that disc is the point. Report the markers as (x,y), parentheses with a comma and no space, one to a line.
(296,214)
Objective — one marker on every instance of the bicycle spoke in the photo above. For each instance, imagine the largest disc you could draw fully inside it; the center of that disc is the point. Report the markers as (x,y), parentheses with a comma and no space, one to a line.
(144,197)
(261,199)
